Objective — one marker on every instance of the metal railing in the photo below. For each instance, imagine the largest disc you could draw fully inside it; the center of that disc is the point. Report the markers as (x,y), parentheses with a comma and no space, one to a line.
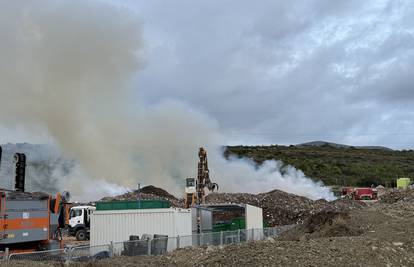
(154,246)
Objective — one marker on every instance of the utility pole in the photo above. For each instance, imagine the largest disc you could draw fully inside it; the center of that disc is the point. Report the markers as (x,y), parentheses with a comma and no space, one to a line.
(139,195)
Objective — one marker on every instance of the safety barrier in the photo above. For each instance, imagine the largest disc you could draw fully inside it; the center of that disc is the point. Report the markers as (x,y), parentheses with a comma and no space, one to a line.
(155,246)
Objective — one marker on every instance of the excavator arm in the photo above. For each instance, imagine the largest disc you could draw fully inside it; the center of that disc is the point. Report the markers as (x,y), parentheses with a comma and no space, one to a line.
(195,195)
(203,177)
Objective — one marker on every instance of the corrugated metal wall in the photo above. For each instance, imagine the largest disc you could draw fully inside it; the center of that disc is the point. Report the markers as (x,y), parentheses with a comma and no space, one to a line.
(107,226)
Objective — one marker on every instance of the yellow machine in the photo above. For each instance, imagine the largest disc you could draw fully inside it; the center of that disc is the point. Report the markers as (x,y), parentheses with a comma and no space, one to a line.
(403,183)
(195,188)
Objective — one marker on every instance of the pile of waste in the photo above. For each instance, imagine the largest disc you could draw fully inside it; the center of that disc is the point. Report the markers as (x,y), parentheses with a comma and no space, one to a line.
(325,223)
(148,192)
(281,208)
(398,196)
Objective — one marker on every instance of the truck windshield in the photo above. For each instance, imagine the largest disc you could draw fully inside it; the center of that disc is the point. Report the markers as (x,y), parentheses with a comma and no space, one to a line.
(190,182)
(75,213)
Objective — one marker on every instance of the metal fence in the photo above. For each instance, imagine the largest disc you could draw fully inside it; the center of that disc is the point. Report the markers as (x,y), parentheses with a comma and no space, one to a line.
(59,255)
(154,246)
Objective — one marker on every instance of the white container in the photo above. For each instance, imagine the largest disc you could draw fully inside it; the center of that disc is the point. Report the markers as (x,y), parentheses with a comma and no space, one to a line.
(254,222)
(254,217)
(118,225)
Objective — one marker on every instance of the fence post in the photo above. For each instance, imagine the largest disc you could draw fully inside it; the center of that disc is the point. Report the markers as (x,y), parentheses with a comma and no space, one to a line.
(111,249)
(252,234)
(6,254)
(178,241)
(149,246)
(69,256)
(201,239)
(238,235)
(221,238)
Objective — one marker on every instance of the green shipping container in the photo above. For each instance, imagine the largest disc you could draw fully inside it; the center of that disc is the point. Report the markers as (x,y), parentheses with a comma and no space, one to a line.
(133,205)
(235,224)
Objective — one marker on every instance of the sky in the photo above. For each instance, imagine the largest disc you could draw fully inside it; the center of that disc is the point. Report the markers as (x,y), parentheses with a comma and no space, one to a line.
(279,72)
(131,89)
(286,72)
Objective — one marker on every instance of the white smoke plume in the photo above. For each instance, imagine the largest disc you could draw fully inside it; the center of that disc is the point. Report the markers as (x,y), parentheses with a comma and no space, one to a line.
(66,67)
(241,175)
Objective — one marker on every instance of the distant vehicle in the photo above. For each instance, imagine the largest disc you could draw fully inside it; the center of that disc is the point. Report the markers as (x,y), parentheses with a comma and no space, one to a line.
(363,193)
(403,183)
(80,222)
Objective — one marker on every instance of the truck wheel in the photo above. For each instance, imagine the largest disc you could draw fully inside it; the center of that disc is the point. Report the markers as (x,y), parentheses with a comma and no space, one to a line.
(81,235)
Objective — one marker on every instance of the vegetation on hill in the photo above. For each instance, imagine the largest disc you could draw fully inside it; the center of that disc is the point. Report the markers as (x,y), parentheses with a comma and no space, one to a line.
(336,165)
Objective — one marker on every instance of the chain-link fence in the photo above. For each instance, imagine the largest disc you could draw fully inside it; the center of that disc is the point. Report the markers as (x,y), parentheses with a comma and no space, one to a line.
(150,245)
(57,255)
(89,253)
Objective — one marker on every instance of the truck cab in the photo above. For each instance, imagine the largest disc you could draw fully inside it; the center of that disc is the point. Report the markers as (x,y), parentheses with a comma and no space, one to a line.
(79,221)
(190,191)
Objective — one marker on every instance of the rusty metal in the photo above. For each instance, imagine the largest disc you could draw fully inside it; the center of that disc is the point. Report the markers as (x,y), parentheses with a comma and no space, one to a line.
(203,177)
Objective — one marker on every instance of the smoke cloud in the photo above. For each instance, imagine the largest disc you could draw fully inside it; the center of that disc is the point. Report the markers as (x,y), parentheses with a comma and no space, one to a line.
(68,67)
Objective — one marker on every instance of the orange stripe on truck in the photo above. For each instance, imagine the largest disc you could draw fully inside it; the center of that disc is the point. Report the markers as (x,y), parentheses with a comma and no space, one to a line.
(23,224)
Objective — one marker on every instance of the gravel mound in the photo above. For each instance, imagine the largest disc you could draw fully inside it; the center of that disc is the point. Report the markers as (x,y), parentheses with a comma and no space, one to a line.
(326,223)
(397,196)
(148,193)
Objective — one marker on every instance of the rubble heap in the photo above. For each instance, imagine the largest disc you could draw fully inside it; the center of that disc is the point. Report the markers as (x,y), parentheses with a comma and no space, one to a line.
(281,208)
(398,196)
(148,192)
(325,223)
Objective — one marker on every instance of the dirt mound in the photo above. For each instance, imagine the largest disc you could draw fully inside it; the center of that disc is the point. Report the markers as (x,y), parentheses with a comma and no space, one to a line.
(281,208)
(398,195)
(148,192)
(326,223)
(150,189)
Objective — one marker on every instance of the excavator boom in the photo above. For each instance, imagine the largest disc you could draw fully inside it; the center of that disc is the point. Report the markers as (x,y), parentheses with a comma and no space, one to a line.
(203,181)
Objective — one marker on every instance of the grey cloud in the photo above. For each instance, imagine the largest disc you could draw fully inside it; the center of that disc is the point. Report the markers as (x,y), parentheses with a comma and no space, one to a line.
(286,71)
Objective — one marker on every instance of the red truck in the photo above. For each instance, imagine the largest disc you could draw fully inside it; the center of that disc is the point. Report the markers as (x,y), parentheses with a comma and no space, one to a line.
(365,194)
(362,193)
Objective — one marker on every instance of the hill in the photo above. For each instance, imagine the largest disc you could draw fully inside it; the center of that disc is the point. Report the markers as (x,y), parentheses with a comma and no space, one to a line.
(335,145)
(336,165)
